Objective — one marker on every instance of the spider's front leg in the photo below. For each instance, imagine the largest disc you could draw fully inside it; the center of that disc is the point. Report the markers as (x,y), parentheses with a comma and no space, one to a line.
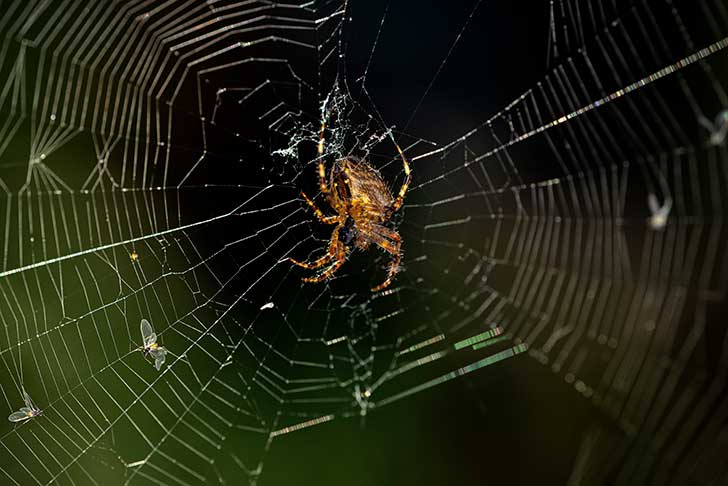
(391,242)
(321,138)
(325,275)
(321,166)
(407,179)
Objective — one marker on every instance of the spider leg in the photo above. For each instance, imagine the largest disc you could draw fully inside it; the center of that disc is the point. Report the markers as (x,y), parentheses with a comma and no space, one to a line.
(319,214)
(326,274)
(321,138)
(389,241)
(321,166)
(408,177)
(333,246)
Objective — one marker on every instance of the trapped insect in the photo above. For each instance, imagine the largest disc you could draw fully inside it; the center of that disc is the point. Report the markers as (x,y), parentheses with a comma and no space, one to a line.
(659,214)
(363,203)
(150,347)
(718,128)
(27,412)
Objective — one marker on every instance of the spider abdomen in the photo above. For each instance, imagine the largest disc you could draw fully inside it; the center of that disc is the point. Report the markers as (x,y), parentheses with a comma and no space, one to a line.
(359,186)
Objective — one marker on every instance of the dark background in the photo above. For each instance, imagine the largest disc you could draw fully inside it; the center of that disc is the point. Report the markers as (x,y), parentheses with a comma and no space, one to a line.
(515,422)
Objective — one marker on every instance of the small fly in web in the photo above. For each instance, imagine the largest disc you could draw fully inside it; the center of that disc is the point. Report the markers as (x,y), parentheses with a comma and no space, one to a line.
(27,412)
(150,346)
(659,214)
(718,128)
(363,203)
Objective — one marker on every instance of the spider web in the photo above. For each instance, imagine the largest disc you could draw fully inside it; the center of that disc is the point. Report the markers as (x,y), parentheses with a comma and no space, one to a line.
(152,158)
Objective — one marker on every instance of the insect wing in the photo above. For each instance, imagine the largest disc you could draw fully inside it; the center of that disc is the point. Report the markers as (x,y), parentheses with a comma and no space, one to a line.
(652,203)
(18,416)
(29,405)
(28,402)
(158,352)
(160,355)
(148,334)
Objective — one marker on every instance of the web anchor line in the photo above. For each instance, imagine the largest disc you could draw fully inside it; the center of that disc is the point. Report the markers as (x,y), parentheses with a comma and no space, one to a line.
(129,241)
(657,75)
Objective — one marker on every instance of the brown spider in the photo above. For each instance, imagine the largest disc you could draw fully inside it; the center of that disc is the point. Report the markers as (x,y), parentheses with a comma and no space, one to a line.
(363,203)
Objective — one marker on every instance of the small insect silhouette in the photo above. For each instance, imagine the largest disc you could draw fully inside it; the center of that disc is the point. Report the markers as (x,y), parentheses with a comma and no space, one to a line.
(659,214)
(27,412)
(718,128)
(150,347)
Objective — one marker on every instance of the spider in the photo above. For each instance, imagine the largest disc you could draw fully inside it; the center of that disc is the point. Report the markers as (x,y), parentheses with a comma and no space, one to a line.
(363,203)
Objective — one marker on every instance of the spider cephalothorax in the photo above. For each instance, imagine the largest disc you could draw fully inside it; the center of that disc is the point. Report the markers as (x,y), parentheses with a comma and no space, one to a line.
(363,203)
